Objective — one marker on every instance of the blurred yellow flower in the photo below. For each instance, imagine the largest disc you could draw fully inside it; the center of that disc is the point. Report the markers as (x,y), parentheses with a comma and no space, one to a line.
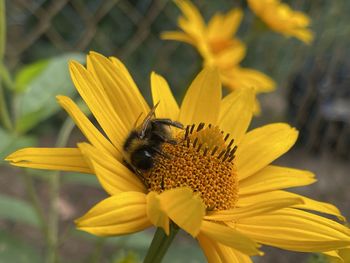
(218,184)
(218,46)
(339,256)
(344,254)
(282,19)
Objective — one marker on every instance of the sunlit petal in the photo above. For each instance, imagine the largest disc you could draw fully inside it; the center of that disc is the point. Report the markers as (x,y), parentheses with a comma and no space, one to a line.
(296,230)
(120,214)
(263,145)
(229,237)
(218,253)
(308,204)
(236,112)
(254,209)
(202,99)
(100,105)
(161,93)
(86,127)
(113,175)
(64,159)
(274,178)
(119,87)
(185,208)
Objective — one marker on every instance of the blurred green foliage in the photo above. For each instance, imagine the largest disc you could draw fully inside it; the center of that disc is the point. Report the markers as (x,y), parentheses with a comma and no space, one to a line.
(18,211)
(317,258)
(16,250)
(35,99)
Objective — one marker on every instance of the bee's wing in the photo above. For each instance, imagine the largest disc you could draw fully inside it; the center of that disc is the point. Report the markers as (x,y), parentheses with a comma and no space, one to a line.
(147,120)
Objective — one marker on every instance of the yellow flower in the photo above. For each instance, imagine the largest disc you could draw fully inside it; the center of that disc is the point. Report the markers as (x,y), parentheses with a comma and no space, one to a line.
(218,46)
(343,256)
(282,19)
(217,183)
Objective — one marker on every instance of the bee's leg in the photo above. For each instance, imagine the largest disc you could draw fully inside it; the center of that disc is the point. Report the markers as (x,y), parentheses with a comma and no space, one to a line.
(158,151)
(141,177)
(163,138)
(169,122)
(137,172)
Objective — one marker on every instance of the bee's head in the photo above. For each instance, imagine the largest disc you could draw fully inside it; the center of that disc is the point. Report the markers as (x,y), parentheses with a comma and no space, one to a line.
(142,158)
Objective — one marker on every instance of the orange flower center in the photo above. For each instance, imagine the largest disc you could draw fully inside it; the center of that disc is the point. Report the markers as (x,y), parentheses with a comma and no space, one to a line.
(203,160)
(218,45)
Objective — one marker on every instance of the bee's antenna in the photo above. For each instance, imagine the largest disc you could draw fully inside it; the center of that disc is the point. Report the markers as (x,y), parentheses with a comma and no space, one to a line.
(147,119)
(137,120)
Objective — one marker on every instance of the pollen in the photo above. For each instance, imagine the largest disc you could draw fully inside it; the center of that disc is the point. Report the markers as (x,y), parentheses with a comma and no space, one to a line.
(202,159)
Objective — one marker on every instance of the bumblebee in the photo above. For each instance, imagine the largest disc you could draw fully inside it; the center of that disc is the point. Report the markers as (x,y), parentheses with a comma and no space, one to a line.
(145,141)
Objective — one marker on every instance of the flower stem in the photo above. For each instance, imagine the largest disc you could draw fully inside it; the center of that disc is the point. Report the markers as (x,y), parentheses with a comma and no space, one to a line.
(4,114)
(54,184)
(160,244)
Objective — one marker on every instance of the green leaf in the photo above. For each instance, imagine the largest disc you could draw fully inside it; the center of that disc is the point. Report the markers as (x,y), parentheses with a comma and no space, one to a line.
(38,101)
(18,211)
(28,73)
(126,257)
(14,250)
(317,258)
(2,29)
(10,143)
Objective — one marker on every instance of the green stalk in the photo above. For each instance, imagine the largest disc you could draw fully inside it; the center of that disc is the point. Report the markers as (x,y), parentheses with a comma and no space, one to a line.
(54,184)
(2,29)
(33,196)
(160,244)
(4,114)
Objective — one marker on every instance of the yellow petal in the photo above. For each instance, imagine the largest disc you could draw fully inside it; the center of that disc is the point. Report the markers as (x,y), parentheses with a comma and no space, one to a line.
(296,230)
(193,18)
(257,107)
(224,26)
(263,145)
(130,83)
(134,90)
(155,212)
(96,98)
(124,96)
(183,207)
(232,21)
(257,5)
(202,99)
(230,237)
(282,19)
(64,159)
(238,77)
(209,249)
(161,93)
(334,256)
(114,176)
(275,178)
(308,204)
(179,36)
(258,208)
(230,56)
(305,35)
(218,253)
(87,128)
(344,254)
(214,27)
(120,214)
(236,112)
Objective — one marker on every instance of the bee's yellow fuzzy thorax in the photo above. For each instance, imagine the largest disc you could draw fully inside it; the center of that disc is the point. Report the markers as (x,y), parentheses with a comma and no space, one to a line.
(201,160)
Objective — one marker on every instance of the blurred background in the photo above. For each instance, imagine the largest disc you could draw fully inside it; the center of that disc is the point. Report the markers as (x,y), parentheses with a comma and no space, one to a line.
(37,208)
